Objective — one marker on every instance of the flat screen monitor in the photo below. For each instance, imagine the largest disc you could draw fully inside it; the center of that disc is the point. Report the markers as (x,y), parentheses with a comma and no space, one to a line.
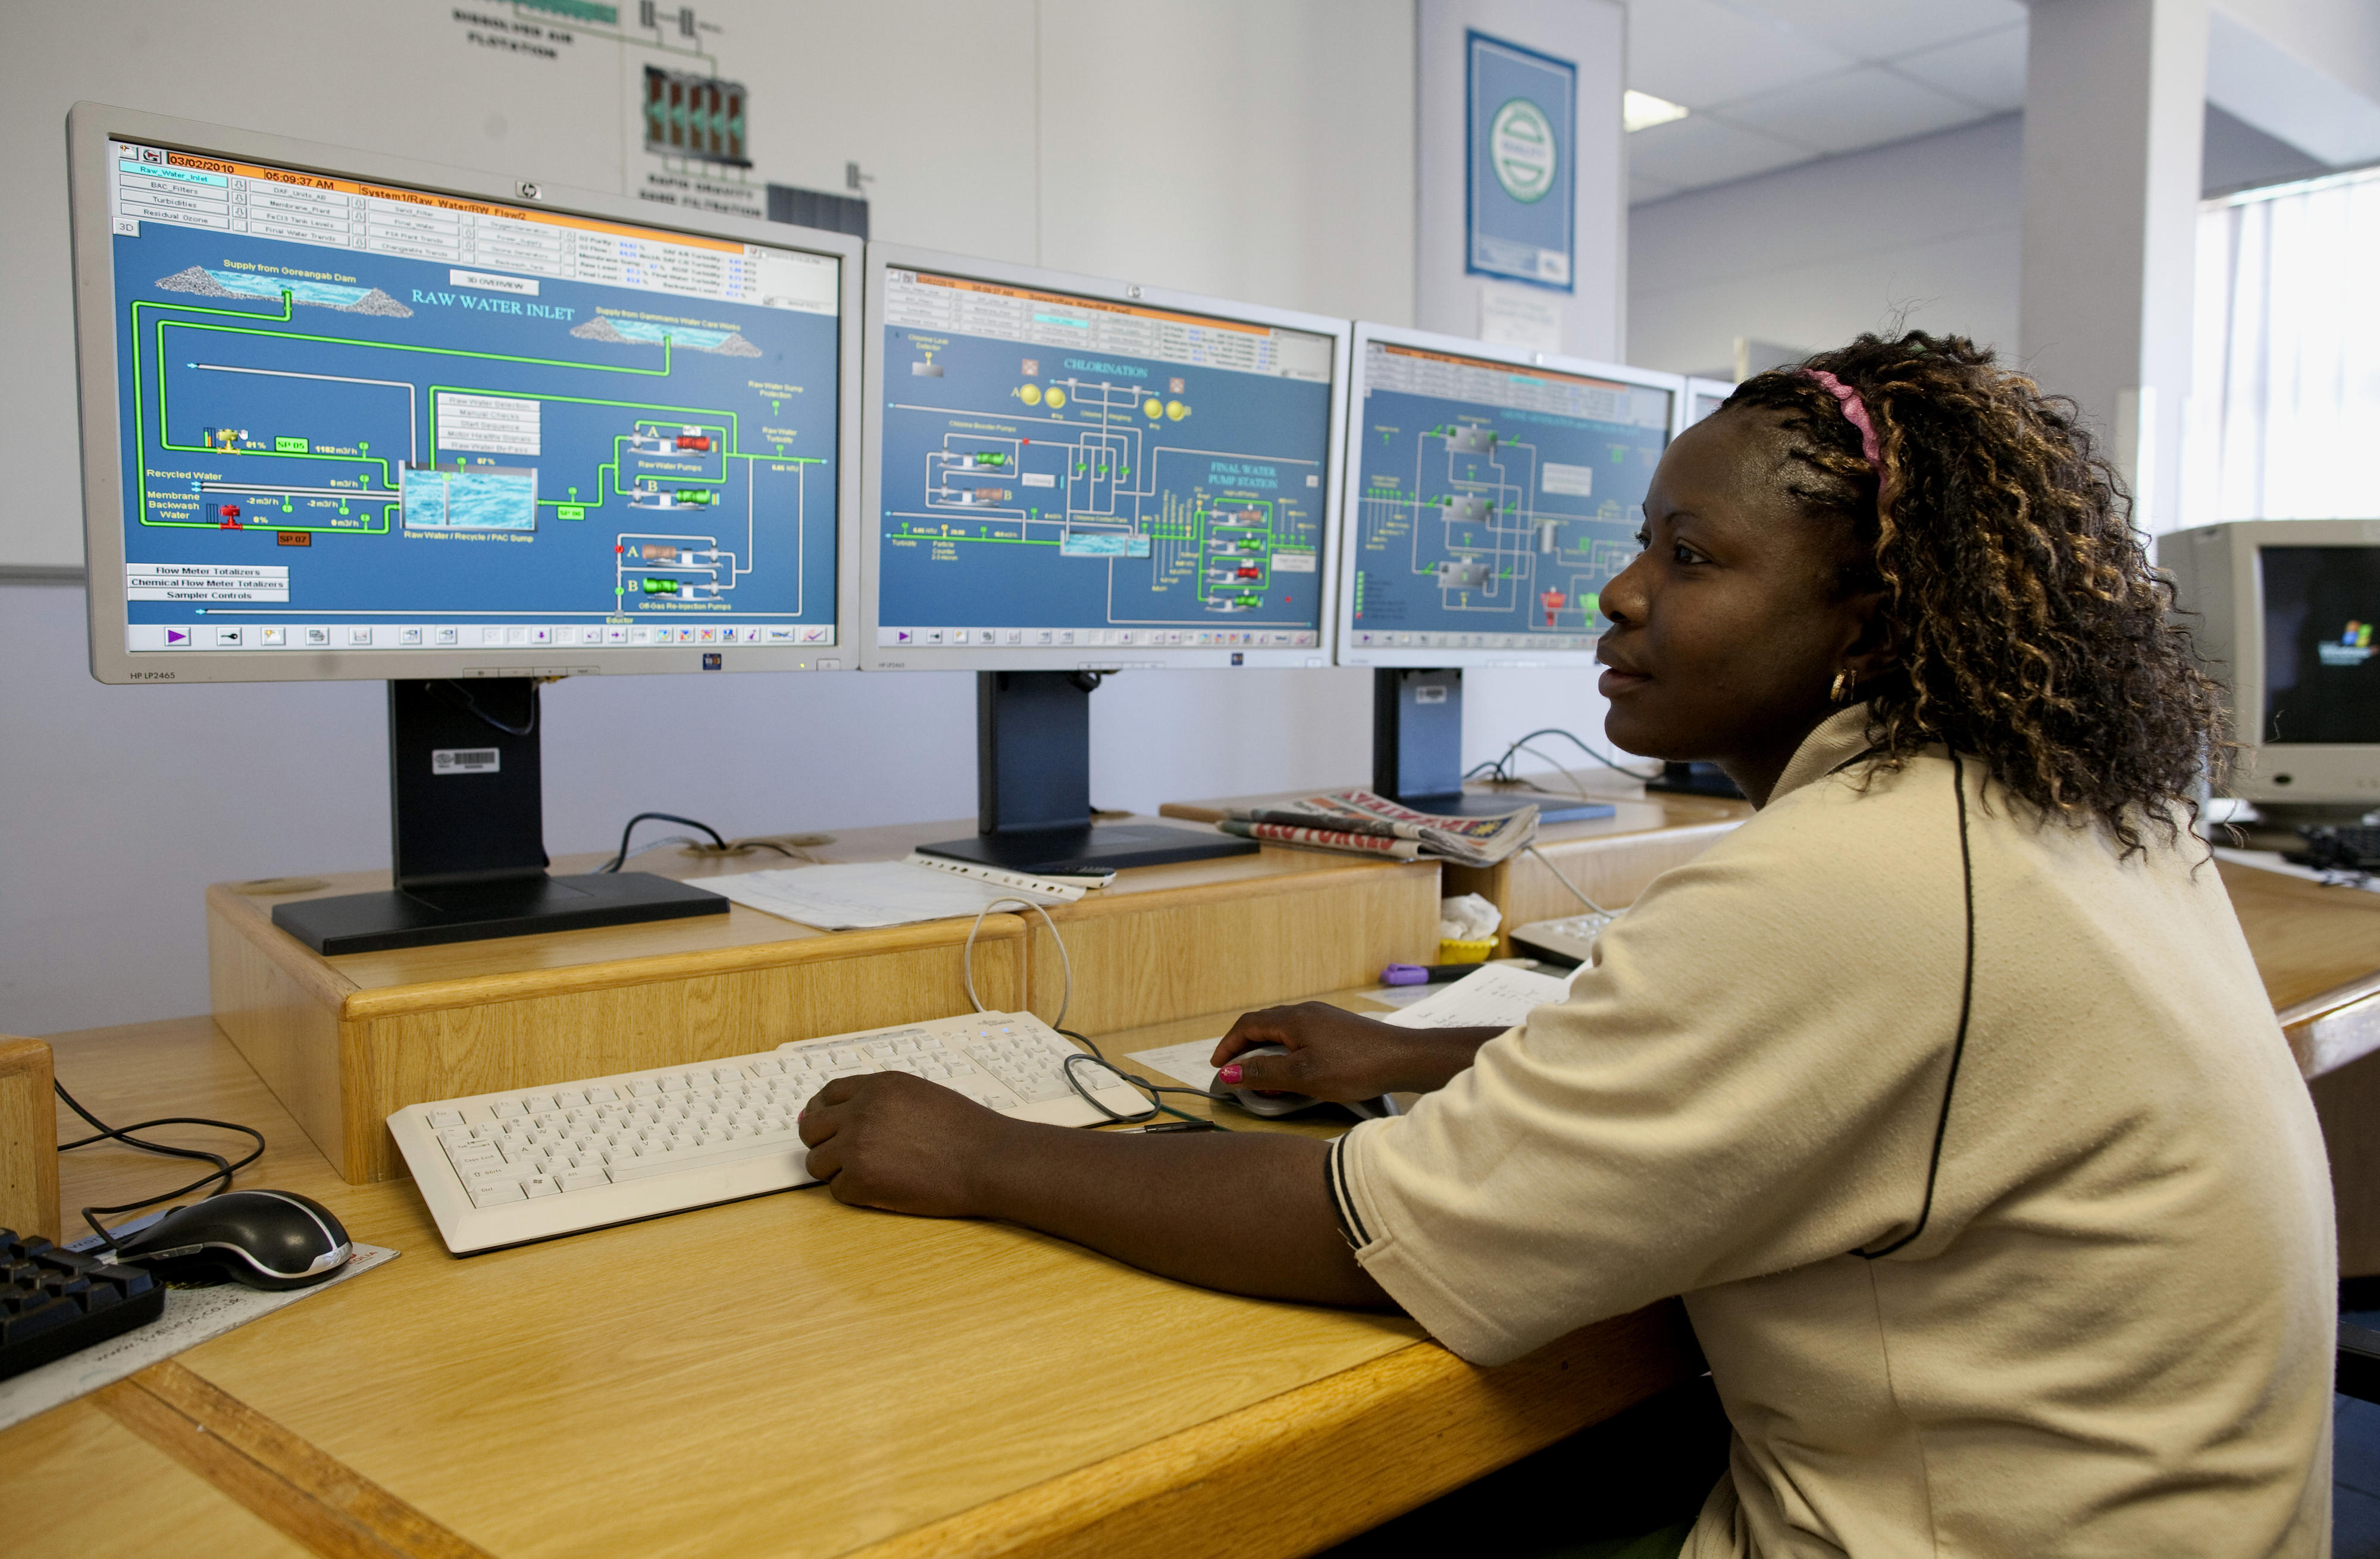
(1065,473)
(2284,611)
(347,416)
(351,417)
(1703,397)
(1493,491)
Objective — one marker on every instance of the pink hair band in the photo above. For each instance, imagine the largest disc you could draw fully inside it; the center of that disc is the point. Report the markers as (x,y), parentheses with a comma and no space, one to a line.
(1855,413)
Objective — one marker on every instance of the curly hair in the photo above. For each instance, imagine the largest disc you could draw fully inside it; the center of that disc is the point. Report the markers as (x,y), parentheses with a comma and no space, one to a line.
(2033,632)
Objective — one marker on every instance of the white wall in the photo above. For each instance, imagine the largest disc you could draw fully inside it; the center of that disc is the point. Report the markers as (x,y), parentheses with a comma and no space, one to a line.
(1812,255)
(998,128)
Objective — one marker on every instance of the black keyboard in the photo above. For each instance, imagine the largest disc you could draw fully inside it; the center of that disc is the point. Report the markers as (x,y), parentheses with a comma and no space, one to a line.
(2352,849)
(54,1301)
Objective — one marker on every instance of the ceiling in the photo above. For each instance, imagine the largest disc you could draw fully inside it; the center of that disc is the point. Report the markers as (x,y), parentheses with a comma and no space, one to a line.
(1770,83)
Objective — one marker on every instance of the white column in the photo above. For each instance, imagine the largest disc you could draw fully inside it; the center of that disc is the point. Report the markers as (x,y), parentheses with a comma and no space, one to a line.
(2114,106)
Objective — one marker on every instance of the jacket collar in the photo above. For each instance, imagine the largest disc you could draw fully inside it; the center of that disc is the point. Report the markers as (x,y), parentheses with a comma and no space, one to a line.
(1840,738)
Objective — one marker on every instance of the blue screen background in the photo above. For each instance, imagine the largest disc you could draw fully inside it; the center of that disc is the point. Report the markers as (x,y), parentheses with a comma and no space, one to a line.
(971,533)
(771,417)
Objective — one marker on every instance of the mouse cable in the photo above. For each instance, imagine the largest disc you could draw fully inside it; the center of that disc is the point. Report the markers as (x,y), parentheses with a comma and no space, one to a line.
(1155,1107)
(220,1176)
(1575,892)
(615,863)
(1066,964)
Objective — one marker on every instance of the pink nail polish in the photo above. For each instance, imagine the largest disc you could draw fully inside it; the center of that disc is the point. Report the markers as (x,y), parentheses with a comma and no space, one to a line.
(1230,1073)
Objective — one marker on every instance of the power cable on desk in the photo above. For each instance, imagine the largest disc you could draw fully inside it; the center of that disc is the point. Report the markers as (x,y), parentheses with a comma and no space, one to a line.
(103,1132)
(1500,768)
(615,863)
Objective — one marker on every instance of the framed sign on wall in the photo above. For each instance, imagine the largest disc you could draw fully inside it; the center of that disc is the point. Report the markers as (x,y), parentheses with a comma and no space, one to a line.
(1521,197)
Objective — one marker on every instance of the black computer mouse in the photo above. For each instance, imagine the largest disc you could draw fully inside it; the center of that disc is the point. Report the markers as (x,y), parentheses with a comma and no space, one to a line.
(265,1238)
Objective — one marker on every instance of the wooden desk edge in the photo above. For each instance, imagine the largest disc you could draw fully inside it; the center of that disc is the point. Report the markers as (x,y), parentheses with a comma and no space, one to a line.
(803,944)
(1261,1481)
(2326,1031)
(474,990)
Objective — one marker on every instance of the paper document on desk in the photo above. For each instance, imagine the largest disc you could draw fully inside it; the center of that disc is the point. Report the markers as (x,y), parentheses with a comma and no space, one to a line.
(866,893)
(192,1316)
(1186,1062)
(1496,996)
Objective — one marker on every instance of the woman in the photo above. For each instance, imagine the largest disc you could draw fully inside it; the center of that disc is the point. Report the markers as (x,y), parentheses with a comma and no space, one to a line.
(1944,1090)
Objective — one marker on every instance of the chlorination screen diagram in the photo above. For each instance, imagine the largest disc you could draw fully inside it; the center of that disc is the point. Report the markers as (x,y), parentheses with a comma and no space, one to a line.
(1064,471)
(358,417)
(1491,503)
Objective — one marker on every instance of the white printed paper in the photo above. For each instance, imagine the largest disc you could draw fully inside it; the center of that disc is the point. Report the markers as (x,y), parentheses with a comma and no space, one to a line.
(192,1316)
(1497,996)
(1186,1062)
(866,894)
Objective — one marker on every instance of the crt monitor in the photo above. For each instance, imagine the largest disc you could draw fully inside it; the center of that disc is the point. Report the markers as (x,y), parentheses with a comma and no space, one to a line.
(2284,611)
(1068,476)
(1493,491)
(346,415)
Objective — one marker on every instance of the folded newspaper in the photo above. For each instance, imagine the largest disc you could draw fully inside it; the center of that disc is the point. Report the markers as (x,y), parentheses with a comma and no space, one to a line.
(1366,824)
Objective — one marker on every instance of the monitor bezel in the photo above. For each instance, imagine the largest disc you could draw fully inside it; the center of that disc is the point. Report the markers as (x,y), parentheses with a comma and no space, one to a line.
(1722,388)
(91,127)
(1346,651)
(2321,774)
(883,258)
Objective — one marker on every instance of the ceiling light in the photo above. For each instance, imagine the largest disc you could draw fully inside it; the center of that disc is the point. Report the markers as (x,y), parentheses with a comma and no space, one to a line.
(1639,111)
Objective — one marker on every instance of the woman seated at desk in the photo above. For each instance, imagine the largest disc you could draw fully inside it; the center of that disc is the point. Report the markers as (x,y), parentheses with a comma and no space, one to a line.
(1944,1090)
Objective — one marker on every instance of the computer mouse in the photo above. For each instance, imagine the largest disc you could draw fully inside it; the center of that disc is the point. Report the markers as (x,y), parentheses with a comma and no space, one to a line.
(1271,1103)
(264,1238)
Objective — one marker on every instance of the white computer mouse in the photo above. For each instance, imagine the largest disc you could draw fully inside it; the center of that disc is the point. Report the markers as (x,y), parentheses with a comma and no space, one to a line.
(1271,1103)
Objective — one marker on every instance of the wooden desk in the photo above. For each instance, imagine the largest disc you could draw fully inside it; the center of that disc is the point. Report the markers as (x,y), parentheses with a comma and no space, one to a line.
(789,1376)
(1609,859)
(2318,949)
(345,1041)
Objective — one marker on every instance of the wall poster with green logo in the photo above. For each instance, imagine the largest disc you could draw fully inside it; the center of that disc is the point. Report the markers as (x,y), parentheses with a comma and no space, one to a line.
(1523,130)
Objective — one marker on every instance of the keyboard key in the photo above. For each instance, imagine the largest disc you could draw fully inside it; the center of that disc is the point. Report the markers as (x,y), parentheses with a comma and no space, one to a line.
(584,1178)
(494,1193)
(445,1118)
(541,1185)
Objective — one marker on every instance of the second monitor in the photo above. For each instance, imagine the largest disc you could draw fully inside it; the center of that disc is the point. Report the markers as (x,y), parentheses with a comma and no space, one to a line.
(1496,490)
(1067,477)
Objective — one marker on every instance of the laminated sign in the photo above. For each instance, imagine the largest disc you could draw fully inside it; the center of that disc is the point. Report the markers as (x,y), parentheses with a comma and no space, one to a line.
(1521,125)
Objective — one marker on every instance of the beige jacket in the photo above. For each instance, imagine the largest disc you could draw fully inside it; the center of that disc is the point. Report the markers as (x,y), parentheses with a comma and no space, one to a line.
(2111,1335)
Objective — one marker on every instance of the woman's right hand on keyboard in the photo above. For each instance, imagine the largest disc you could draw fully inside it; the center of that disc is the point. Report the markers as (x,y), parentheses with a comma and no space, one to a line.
(1335,1054)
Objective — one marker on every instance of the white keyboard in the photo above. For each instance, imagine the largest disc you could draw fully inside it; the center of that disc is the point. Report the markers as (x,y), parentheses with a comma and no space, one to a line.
(1573,936)
(528,1163)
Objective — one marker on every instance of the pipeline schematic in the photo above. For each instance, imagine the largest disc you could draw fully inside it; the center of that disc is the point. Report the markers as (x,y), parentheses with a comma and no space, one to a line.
(1051,466)
(352,405)
(1493,502)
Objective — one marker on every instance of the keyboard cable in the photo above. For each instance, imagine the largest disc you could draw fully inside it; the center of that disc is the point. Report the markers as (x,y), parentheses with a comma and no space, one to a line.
(1575,892)
(1065,1000)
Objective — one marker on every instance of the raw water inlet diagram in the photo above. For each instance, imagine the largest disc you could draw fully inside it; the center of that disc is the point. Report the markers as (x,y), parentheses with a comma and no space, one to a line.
(402,439)
(1110,493)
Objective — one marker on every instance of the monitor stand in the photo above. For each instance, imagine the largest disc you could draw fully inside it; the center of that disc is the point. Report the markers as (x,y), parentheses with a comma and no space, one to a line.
(466,821)
(1417,752)
(1033,788)
(1697,778)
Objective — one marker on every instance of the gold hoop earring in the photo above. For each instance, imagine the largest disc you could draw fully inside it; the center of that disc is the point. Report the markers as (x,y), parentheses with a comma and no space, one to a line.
(1845,686)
